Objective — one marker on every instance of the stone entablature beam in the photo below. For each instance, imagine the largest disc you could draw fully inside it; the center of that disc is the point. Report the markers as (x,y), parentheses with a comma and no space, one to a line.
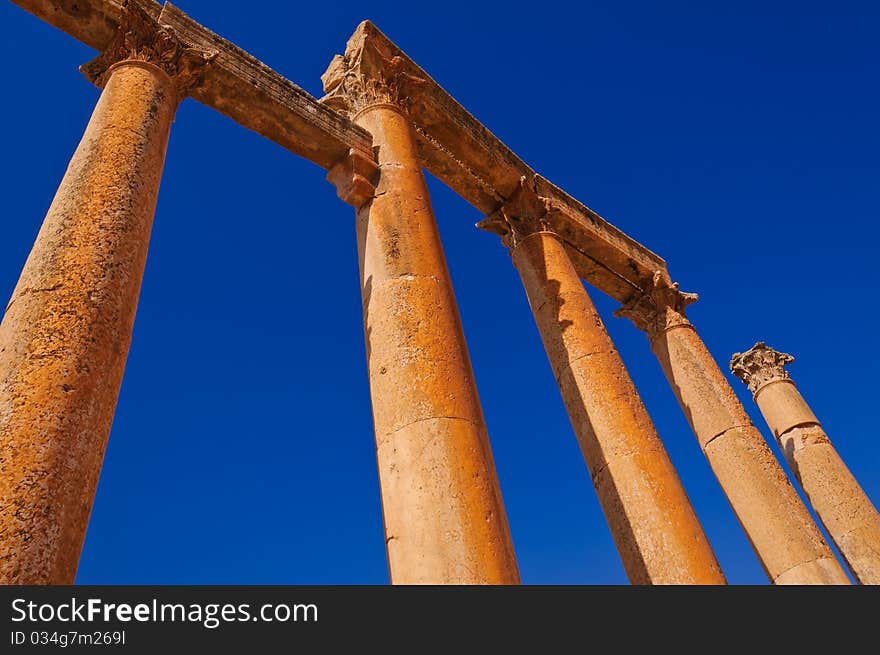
(463,153)
(94,22)
(451,143)
(237,85)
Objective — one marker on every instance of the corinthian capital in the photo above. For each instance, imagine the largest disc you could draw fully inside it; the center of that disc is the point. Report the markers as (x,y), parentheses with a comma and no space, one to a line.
(524,213)
(659,308)
(140,37)
(759,365)
(367,74)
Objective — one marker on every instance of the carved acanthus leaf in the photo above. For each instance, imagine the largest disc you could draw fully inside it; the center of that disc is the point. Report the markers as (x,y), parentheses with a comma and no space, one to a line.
(367,76)
(659,308)
(759,365)
(140,37)
(524,213)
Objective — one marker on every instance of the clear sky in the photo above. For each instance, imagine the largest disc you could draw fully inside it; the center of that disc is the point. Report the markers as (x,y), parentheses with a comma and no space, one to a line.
(739,141)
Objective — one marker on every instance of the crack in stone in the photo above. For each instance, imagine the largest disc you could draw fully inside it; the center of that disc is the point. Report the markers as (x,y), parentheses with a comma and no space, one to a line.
(27,292)
(430,418)
(575,361)
(609,460)
(723,432)
(791,568)
(427,418)
(142,135)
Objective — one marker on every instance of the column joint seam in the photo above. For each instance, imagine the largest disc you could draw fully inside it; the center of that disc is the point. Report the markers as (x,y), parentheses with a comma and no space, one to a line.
(807,561)
(725,431)
(568,366)
(429,418)
(803,424)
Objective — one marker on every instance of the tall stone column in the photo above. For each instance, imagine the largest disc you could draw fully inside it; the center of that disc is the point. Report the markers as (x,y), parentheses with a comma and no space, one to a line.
(444,517)
(841,503)
(780,528)
(66,331)
(653,524)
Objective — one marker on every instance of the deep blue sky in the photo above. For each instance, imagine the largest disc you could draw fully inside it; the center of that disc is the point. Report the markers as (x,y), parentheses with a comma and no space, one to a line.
(739,141)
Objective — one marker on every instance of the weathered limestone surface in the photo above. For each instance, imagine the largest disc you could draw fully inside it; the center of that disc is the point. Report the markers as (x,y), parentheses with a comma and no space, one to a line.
(66,331)
(444,516)
(840,502)
(65,335)
(780,528)
(653,524)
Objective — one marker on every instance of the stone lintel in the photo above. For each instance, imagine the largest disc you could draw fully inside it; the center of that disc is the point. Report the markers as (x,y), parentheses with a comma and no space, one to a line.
(255,96)
(235,84)
(454,146)
(760,365)
(459,150)
(94,22)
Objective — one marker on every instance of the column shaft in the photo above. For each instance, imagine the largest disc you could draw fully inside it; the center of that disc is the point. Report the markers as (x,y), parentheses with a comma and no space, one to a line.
(67,329)
(840,502)
(780,528)
(653,524)
(444,516)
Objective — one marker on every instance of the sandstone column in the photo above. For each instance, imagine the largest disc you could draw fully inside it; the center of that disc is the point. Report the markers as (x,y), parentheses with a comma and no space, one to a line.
(780,528)
(653,524)
(841,503)
(66,331)
(444,516)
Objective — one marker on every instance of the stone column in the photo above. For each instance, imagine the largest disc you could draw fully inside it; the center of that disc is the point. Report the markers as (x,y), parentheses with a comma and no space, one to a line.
(653,524)
(66,331)
(841,503)
(780,528)
(444,517)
